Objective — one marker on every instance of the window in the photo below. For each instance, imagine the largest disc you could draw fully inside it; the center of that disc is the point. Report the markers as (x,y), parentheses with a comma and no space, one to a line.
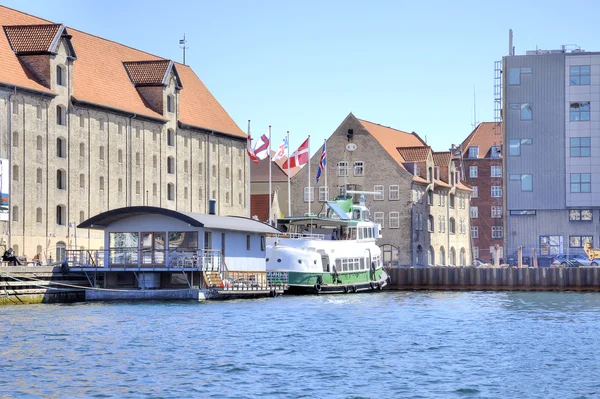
(185,143)
(120,156)
(119,128)
(580,111)
(154,135)
(138,187)
(580,75)
(429,197)
(323,194)
(497,232)
(40,143)
(186,168)
(430,224)
(430,257)
(15,107)
(170,165)
(154,162)
(475,252)
(580,241)
(101,183)
(496,171)
(239,198)
(15,139)
(170,138)
(581,183)
(60,75)
(61,147)
(420,222)
(39,111)
(526,113)
(472,172)
(247,242)
(474,232)
(380,194)
(514,147)
(61,215)
(239,172)
(101,153)
(81,218)
(38,215)
(451,201)
(81,180)
(496,212)
(585,215)
(394,220)
(522,212)
(475,193)
(170,103)
(394,193)
(419,259)
(81,120)
(61,179)
(452,226)
(137,132)
(214,171)
(378,217)
(581,146)
(82,150)
(226,172)
(120,185)
(462,226)
(514,76)
(473,152)
(38,176)
(474,212)
(60,115)
(214,147)
(495,152)
(359,168)
(154,189)
(309,194)
(442,256)
(171,192)
(496,191)
(15,213)
(101,122)
(342,169)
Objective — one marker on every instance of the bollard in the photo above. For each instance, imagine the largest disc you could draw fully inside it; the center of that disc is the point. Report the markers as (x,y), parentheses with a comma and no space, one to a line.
(520,257)
(534,255)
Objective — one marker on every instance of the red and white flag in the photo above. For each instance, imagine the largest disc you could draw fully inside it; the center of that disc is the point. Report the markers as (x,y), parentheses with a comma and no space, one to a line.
(299,157)
(250,151)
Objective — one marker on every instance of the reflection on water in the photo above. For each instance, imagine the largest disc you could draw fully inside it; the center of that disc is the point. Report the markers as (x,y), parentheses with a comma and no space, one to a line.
(393,344)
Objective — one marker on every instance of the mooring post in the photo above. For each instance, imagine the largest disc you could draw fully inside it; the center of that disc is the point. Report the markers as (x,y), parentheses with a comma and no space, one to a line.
(534,255)
(520,257)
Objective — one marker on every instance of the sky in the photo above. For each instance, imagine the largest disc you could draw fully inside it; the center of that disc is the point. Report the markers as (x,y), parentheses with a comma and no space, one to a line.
(303,66)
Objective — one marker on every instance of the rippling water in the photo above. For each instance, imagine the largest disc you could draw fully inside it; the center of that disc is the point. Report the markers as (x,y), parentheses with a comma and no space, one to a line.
(392,344)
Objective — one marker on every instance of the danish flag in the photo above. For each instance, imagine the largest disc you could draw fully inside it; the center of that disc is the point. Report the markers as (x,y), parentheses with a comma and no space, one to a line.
(298,158)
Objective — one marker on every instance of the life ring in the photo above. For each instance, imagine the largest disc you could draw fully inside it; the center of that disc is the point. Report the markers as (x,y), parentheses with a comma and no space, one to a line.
(318,287)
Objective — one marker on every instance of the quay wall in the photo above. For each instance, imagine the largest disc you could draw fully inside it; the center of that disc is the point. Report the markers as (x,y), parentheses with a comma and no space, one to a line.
(499,279)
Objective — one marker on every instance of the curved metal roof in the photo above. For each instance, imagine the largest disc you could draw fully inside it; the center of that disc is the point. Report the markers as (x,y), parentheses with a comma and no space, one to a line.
(234,223)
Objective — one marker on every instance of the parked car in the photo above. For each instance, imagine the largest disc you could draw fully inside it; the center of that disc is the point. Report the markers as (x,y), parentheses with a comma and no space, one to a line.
(480,263)
(542,260)
(574,260)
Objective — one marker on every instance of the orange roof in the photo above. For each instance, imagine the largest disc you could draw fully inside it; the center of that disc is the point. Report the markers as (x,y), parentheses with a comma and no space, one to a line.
(390,139)
(485,135)
(441,183)
(442,158)
(100,78)
(147,72)
(414,154)
(419,179)
(31,38)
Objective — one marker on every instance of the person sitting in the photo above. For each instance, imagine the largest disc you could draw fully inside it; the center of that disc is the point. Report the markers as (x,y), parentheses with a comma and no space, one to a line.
(10,257)
(36,260)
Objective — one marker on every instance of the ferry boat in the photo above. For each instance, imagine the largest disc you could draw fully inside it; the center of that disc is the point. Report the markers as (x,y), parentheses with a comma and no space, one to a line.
(328,254)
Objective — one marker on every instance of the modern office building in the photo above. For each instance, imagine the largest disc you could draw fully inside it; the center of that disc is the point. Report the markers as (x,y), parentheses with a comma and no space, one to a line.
(551,115)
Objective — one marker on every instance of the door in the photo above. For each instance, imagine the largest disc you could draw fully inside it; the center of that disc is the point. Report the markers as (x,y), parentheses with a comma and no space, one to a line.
(325,262)
(152,246)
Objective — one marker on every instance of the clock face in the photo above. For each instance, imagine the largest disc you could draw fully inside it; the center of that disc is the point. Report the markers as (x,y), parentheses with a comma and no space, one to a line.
(350,147)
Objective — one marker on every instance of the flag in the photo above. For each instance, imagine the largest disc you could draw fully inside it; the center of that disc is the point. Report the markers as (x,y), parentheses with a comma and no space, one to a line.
(250,151)
(182,41)
(298,158)
(262,147)
(282,149)
(322,162)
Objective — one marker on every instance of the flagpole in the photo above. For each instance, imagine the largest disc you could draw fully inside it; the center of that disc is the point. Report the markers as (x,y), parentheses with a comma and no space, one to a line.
(249,177)
(309,176)
(270,189)
(288,173)
(327,192)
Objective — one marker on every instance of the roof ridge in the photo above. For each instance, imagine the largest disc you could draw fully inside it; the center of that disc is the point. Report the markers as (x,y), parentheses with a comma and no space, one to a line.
(31,25)
(379,124)
(147,61)
(26,13)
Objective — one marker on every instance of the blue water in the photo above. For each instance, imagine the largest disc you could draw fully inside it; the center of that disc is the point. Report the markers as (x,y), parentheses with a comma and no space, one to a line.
(391,344)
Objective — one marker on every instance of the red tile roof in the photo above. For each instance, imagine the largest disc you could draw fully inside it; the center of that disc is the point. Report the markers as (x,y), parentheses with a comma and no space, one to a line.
(414,154)
(147,72)
(259,206)
(485,135)
(25,39)
(442,158)
(100,78)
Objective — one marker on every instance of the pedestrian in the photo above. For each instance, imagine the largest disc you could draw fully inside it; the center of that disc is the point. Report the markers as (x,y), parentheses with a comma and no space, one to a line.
(10,257)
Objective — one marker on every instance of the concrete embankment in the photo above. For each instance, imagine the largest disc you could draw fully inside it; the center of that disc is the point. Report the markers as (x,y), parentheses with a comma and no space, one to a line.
(471,278)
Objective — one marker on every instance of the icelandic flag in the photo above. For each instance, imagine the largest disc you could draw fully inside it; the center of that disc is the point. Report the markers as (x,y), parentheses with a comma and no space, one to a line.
(282,149)
(322,162)
(262,147)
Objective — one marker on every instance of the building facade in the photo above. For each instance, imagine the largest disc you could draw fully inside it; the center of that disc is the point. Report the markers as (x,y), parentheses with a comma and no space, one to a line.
(88,125)
(480,155)
(400,168)
(552,139)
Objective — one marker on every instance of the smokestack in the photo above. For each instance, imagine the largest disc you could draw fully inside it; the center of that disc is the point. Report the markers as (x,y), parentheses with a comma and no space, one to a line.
(511,50)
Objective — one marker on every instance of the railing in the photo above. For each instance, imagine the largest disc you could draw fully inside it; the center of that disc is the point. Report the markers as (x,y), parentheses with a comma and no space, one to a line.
(297,236)
(254,281)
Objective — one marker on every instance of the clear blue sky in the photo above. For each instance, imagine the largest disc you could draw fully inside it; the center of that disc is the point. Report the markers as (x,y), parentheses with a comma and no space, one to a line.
(304,65)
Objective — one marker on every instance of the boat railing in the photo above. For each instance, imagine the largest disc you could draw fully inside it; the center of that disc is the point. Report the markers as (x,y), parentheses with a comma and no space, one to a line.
(302,236)
(254,280)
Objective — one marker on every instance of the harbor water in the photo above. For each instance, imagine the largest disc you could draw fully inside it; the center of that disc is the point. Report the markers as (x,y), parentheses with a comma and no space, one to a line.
(381,345)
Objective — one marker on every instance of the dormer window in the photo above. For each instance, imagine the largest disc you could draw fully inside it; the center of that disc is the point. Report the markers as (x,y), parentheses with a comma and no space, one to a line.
(60,75)
(473,152)
(170,103)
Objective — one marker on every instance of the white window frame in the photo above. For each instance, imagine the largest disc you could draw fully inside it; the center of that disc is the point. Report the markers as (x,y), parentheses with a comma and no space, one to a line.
(309,194)
(496,171)
(473,172)
(474,212)
(379,217)
(394,220)
(497,232)
(496,212)
(474,232)
(342,169)
(394,189)
(475,193)
(323,194)
(359,168)
(379,188)
(496,192)
(476,252)
(473,152)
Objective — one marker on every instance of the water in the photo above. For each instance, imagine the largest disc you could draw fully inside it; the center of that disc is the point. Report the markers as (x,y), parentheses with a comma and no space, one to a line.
(392,344)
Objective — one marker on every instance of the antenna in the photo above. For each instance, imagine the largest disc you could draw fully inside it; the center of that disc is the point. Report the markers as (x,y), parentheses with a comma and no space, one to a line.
(474,109)
(182,45)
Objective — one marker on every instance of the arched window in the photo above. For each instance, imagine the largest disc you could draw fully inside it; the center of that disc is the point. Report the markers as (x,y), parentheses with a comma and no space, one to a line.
(60,75)
(452,257)
(137,187)
(170,137)
(38,176)
(81,180)
(185,166)
(81,150)
(15,213)
(15,172)
(154,189)
(38,215)
(120,185)
(101,183)
(101,153)
(430,225)
(170,103)
(442,256)
(154,162)
(463,257)
(61,251)
(137,158)
(61,215)
(452,226)
(419,255)
(430,174)
(227,197)
(81,216)
(38,110)
(120,156)
(61,147)
(137,132)
(214,171)
(227,172)
(15,139)
(451,201)
(61,179)
(40,143)
(170,191)
(81,120)
(15,106)
(170,165)
(431,256)
(61,116)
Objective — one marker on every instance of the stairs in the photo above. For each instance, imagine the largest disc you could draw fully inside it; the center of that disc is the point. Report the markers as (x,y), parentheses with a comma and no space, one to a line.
(213,279)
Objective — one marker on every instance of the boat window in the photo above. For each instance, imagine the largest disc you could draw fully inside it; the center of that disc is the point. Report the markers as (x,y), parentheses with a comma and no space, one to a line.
(338,266)
(360,234)
(356,214)
(353,233)
(183,240)
(362,263)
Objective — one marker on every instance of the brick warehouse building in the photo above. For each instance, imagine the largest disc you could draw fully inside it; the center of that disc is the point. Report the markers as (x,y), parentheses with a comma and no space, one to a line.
(88,125)
(421,204)
(481,156)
